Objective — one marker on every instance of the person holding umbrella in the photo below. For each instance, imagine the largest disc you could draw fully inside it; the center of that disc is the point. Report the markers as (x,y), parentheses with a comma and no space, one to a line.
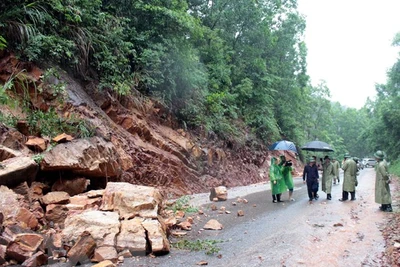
(286,168)
(277,183)
(327,177)
(349,178)
(311,177)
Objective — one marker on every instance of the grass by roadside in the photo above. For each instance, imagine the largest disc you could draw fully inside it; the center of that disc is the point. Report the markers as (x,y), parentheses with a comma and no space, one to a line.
(394,168)
(209,246)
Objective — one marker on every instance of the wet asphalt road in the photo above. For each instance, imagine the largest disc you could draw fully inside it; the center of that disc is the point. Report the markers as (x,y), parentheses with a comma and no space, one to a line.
(287,233)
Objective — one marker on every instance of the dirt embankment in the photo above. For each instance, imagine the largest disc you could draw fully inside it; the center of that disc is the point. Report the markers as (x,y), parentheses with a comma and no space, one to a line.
(152,146)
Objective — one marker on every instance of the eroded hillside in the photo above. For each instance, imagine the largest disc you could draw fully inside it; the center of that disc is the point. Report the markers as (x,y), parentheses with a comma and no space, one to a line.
(151,147)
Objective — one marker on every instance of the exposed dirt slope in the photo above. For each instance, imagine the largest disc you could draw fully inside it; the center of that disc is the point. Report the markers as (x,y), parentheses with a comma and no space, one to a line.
(153,149)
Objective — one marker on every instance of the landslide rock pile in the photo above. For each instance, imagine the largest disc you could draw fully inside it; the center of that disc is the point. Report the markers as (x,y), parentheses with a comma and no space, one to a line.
(123,220)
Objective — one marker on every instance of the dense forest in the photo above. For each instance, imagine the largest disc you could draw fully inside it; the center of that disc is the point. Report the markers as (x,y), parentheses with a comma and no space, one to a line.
(234,68)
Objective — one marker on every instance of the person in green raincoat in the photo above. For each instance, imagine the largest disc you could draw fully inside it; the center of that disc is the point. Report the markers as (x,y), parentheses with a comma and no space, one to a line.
(382,180)
(328,175)
(277,183)
(349,178)
(336,168)
(286,168)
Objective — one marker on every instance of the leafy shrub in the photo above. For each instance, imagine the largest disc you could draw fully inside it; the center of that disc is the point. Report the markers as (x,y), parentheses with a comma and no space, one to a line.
(8,120)
(394,168)
(183,204)
(50,124)
(38,158)
(208,245)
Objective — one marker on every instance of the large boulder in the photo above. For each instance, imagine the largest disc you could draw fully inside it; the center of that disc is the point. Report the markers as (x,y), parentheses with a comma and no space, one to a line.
(103,227)
(90,157)
(9,205)
(156,233)
(24,246)
(132,200)
(14,171)
(132,237)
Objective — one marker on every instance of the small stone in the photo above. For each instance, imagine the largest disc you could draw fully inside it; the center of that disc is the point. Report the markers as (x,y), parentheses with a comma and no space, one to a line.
(213,225)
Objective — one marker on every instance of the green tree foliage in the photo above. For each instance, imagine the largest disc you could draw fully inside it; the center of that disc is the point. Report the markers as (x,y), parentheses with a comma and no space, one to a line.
(255,59)
(234,68)
(383,129)
(75,34)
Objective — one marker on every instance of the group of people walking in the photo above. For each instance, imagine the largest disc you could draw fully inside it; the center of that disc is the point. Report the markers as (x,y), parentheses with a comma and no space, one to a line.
(282,180)
(330,174)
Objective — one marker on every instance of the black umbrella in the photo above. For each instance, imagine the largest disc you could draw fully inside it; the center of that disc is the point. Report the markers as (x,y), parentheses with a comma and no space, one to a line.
(317,146)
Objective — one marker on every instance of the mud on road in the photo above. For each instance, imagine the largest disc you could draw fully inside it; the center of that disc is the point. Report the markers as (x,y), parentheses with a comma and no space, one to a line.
(323,233)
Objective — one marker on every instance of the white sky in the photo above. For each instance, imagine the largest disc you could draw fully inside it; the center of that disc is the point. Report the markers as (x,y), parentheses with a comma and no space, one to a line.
(349,45)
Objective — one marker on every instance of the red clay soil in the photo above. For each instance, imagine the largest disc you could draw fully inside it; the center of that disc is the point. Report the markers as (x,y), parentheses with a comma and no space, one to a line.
(391,231)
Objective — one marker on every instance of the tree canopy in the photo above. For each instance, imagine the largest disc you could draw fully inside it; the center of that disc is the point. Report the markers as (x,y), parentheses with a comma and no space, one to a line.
(235,68)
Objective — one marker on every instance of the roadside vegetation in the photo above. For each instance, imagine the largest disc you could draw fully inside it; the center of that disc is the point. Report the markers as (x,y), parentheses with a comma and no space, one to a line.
(232,69)
(394,168)
(210,247)
(17,96)
(182,204)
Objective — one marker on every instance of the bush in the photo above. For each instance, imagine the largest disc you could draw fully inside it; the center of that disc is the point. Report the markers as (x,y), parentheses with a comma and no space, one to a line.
(208,245)
(394,168)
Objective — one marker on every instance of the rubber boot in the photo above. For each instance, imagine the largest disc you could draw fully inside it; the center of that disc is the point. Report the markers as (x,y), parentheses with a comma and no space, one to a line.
(353,195)
(328,196)
(274,198)
(345,196)
(388,208)
(278,197)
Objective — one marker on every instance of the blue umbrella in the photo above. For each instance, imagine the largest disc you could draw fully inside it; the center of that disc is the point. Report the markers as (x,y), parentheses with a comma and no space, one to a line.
(283,145)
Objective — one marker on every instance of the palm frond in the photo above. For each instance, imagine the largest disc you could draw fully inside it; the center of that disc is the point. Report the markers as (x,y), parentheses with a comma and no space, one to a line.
(3,43)
(19,24)
(19,32)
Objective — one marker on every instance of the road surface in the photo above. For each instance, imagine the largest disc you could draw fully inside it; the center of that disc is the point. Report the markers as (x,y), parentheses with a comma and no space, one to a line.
(324,233)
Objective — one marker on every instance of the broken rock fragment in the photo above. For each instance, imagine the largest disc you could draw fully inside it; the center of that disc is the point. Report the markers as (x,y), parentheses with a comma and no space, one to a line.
(220,193)
(213,225)
(83,249)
